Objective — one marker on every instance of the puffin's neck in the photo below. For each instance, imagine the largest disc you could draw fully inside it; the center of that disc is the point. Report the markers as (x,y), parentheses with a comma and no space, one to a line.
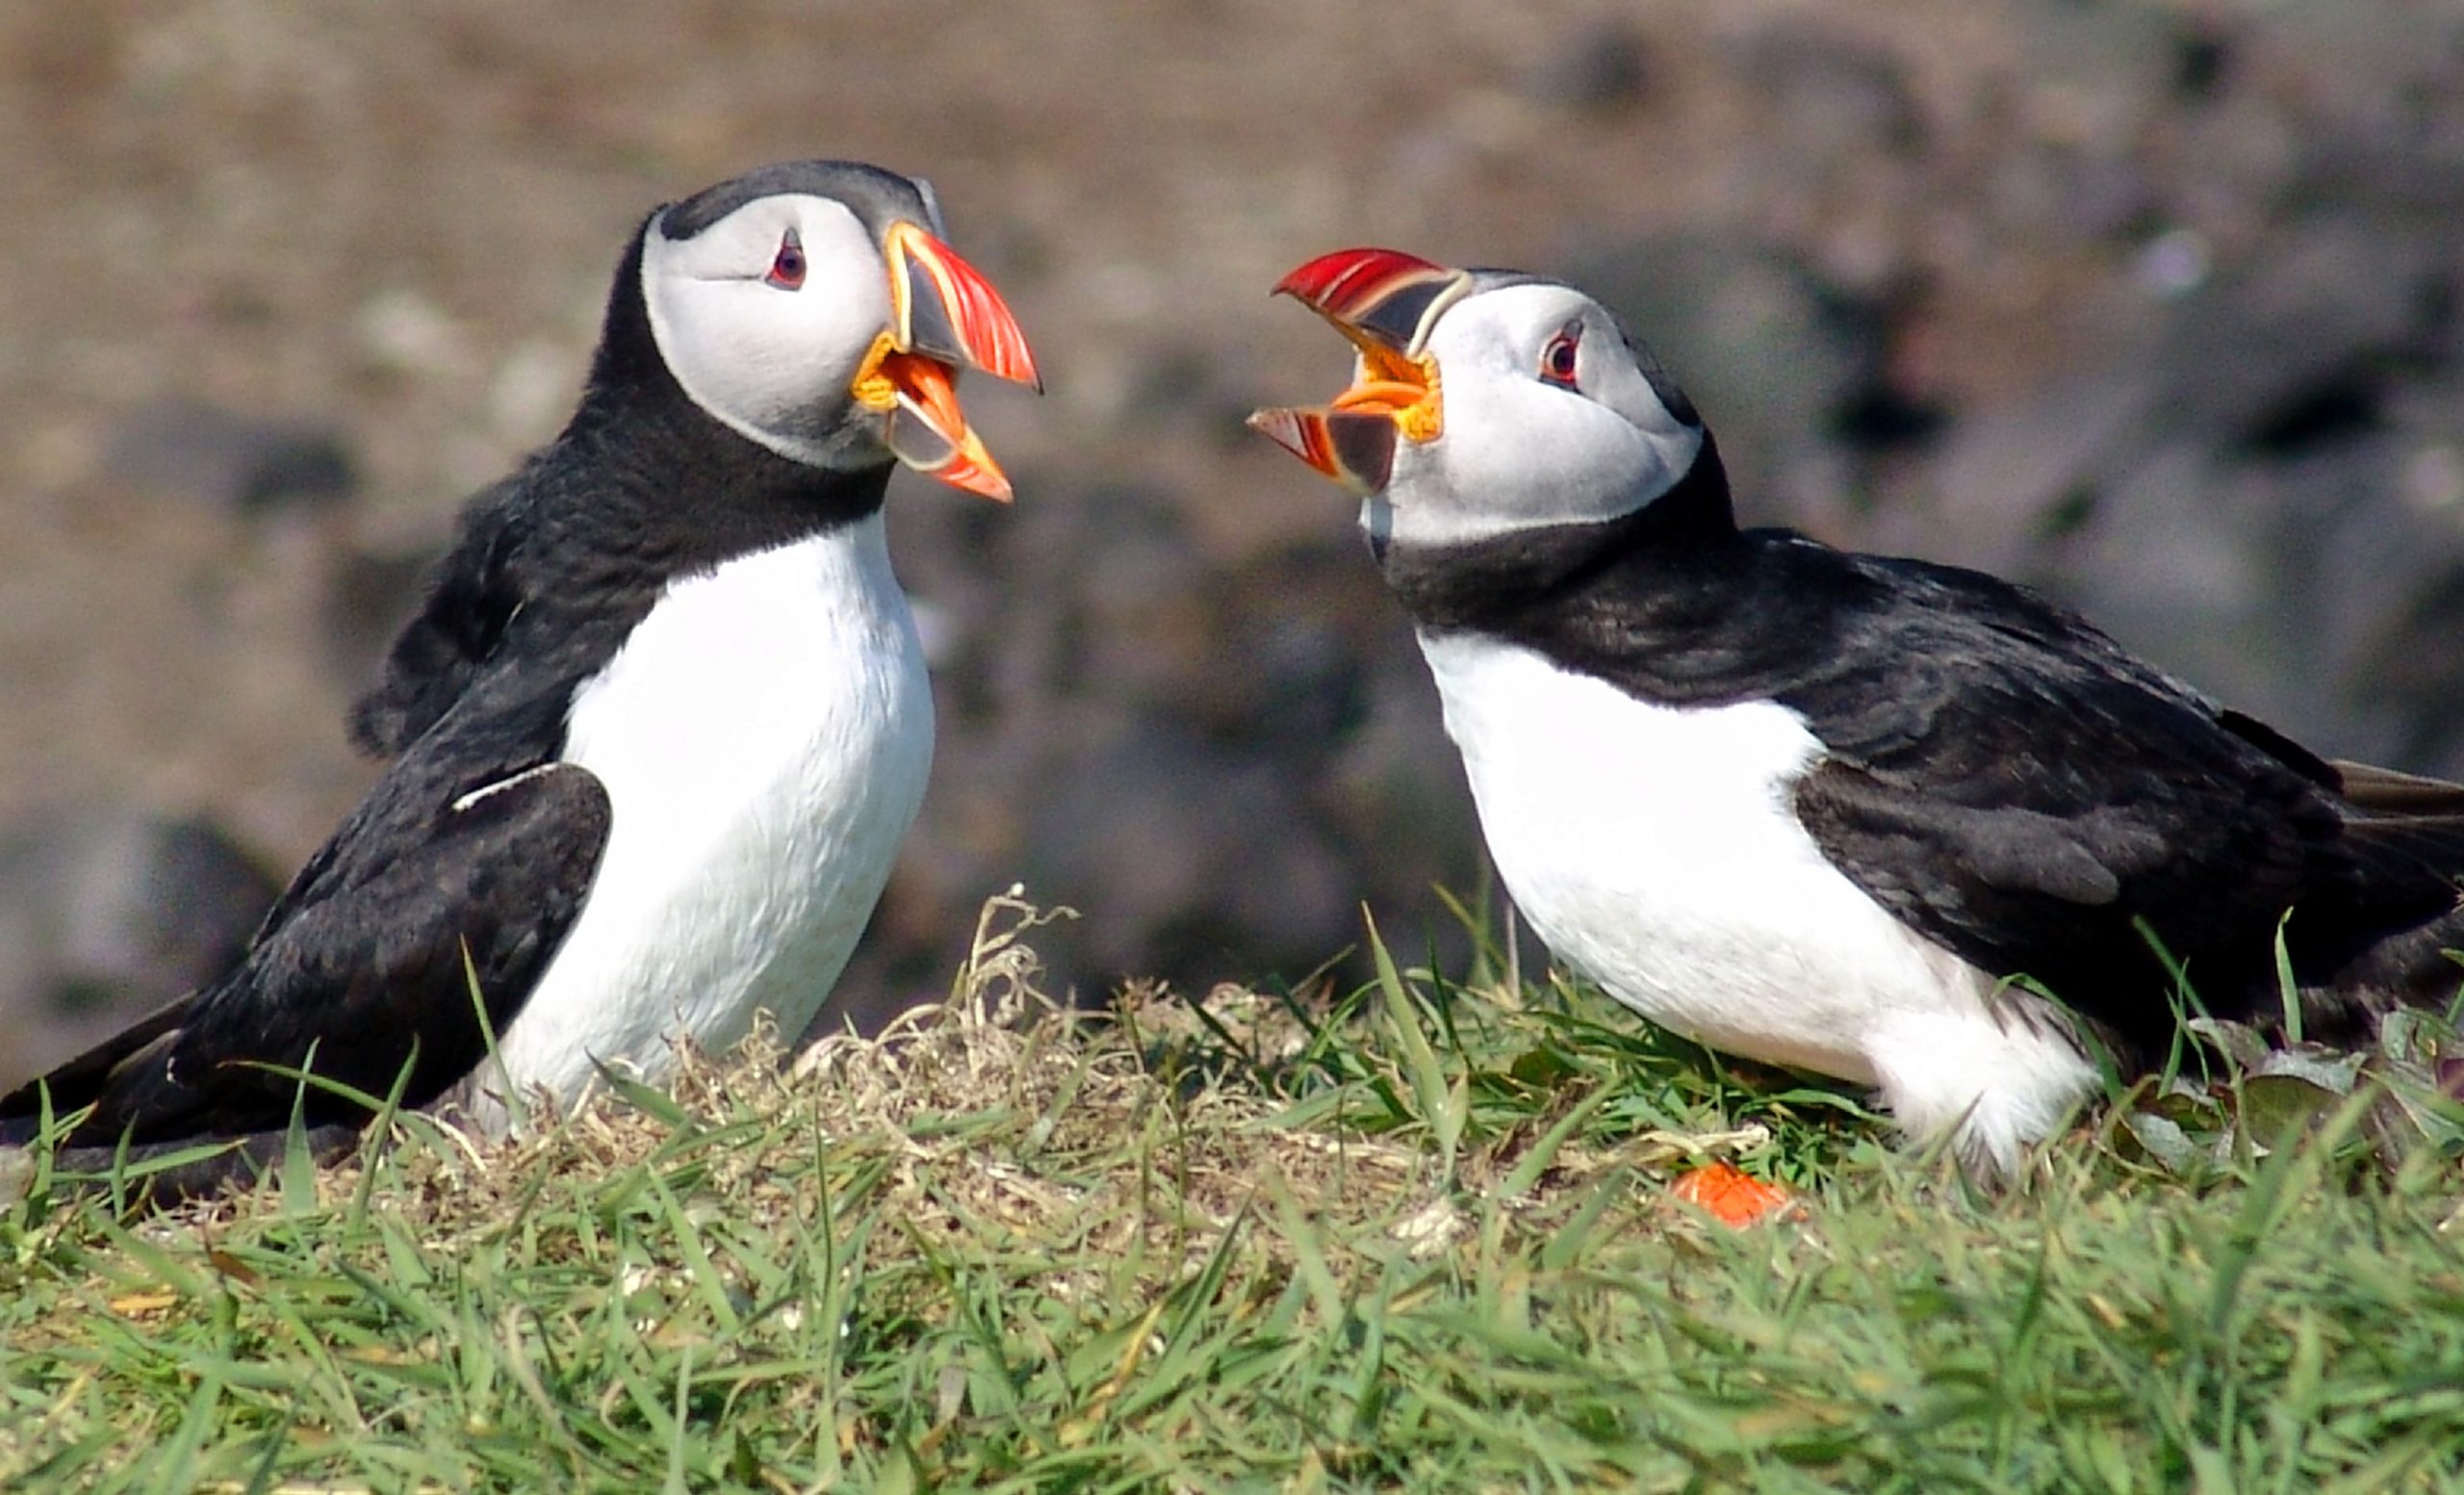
(1684,536)
(673,482)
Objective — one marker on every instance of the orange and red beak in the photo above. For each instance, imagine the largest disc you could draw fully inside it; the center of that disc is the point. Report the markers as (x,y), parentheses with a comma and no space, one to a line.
(944,317)
(1385,303)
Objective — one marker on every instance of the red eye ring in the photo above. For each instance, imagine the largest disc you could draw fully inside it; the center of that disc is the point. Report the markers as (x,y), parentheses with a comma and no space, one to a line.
(1557,359)
(787,265)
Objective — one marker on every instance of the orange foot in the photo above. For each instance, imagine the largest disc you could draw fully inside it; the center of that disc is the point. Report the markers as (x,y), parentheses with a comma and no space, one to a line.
(1733,1198)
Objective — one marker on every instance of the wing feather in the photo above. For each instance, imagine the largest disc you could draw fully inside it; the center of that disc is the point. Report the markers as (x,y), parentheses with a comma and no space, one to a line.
(367,967)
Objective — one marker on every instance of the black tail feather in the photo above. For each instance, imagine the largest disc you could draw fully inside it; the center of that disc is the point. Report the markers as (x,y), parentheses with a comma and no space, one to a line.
(82,1081)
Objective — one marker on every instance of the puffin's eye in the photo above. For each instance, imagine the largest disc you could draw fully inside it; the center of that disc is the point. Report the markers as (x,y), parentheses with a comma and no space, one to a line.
(787,265)
(1557,359)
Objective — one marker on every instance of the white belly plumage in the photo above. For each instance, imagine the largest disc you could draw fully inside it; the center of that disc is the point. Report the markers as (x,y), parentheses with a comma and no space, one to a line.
(1656,849)
(764,736)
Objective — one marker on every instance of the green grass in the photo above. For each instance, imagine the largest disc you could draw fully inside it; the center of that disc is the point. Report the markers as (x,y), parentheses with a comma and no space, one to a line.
(1414,1237)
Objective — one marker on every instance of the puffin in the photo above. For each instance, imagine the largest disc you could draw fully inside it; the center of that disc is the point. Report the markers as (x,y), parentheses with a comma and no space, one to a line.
(654,737)
(1900,823)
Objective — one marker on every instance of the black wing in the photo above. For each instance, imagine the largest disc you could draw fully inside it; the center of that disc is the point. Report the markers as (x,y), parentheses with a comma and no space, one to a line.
(367,964)
(473,592)
(2012,784)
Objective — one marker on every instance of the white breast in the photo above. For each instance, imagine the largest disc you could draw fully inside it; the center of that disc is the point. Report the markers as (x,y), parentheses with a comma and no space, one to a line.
(764,736)
(1657,850)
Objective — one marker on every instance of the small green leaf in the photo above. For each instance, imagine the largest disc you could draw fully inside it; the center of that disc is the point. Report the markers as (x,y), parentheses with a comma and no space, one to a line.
(2163,1139)
(2328,1069)
(2240,1043)
(2413,1036)
(2273,1103)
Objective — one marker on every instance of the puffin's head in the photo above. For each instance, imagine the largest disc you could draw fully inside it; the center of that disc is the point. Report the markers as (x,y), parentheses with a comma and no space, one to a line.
(1483,401)
(812,307)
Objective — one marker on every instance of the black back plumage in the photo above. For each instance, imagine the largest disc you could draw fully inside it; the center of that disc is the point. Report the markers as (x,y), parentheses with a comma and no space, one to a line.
(1996,772)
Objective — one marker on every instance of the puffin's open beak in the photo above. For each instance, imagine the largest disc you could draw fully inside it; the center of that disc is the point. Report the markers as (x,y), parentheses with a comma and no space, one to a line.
(944,317)
(1385,301)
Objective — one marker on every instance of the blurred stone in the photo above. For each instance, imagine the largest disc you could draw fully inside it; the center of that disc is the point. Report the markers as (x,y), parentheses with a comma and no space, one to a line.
(2012,476)
(2174,263)
(2099,197)
(1828,92)
(2293,344)
(109,913)
(405,331)
(1136,628)
(1893,405)
(232,461)
(1188,859)
(1600,69)
(949,558)
(1284,676)
(2095,72)
(1190,392)
(531,392)
(2203,55)
(2298,349)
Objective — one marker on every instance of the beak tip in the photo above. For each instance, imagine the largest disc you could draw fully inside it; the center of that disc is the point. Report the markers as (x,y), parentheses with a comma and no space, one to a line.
(978,474)
(1020,369)
(1003,353)
(1281,427)
(982,479)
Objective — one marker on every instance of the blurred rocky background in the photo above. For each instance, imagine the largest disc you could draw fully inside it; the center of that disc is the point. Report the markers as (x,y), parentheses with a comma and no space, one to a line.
(2159,305)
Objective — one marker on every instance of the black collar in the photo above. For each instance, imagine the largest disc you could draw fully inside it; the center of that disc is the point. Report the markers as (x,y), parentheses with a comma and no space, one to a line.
(1502,584)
